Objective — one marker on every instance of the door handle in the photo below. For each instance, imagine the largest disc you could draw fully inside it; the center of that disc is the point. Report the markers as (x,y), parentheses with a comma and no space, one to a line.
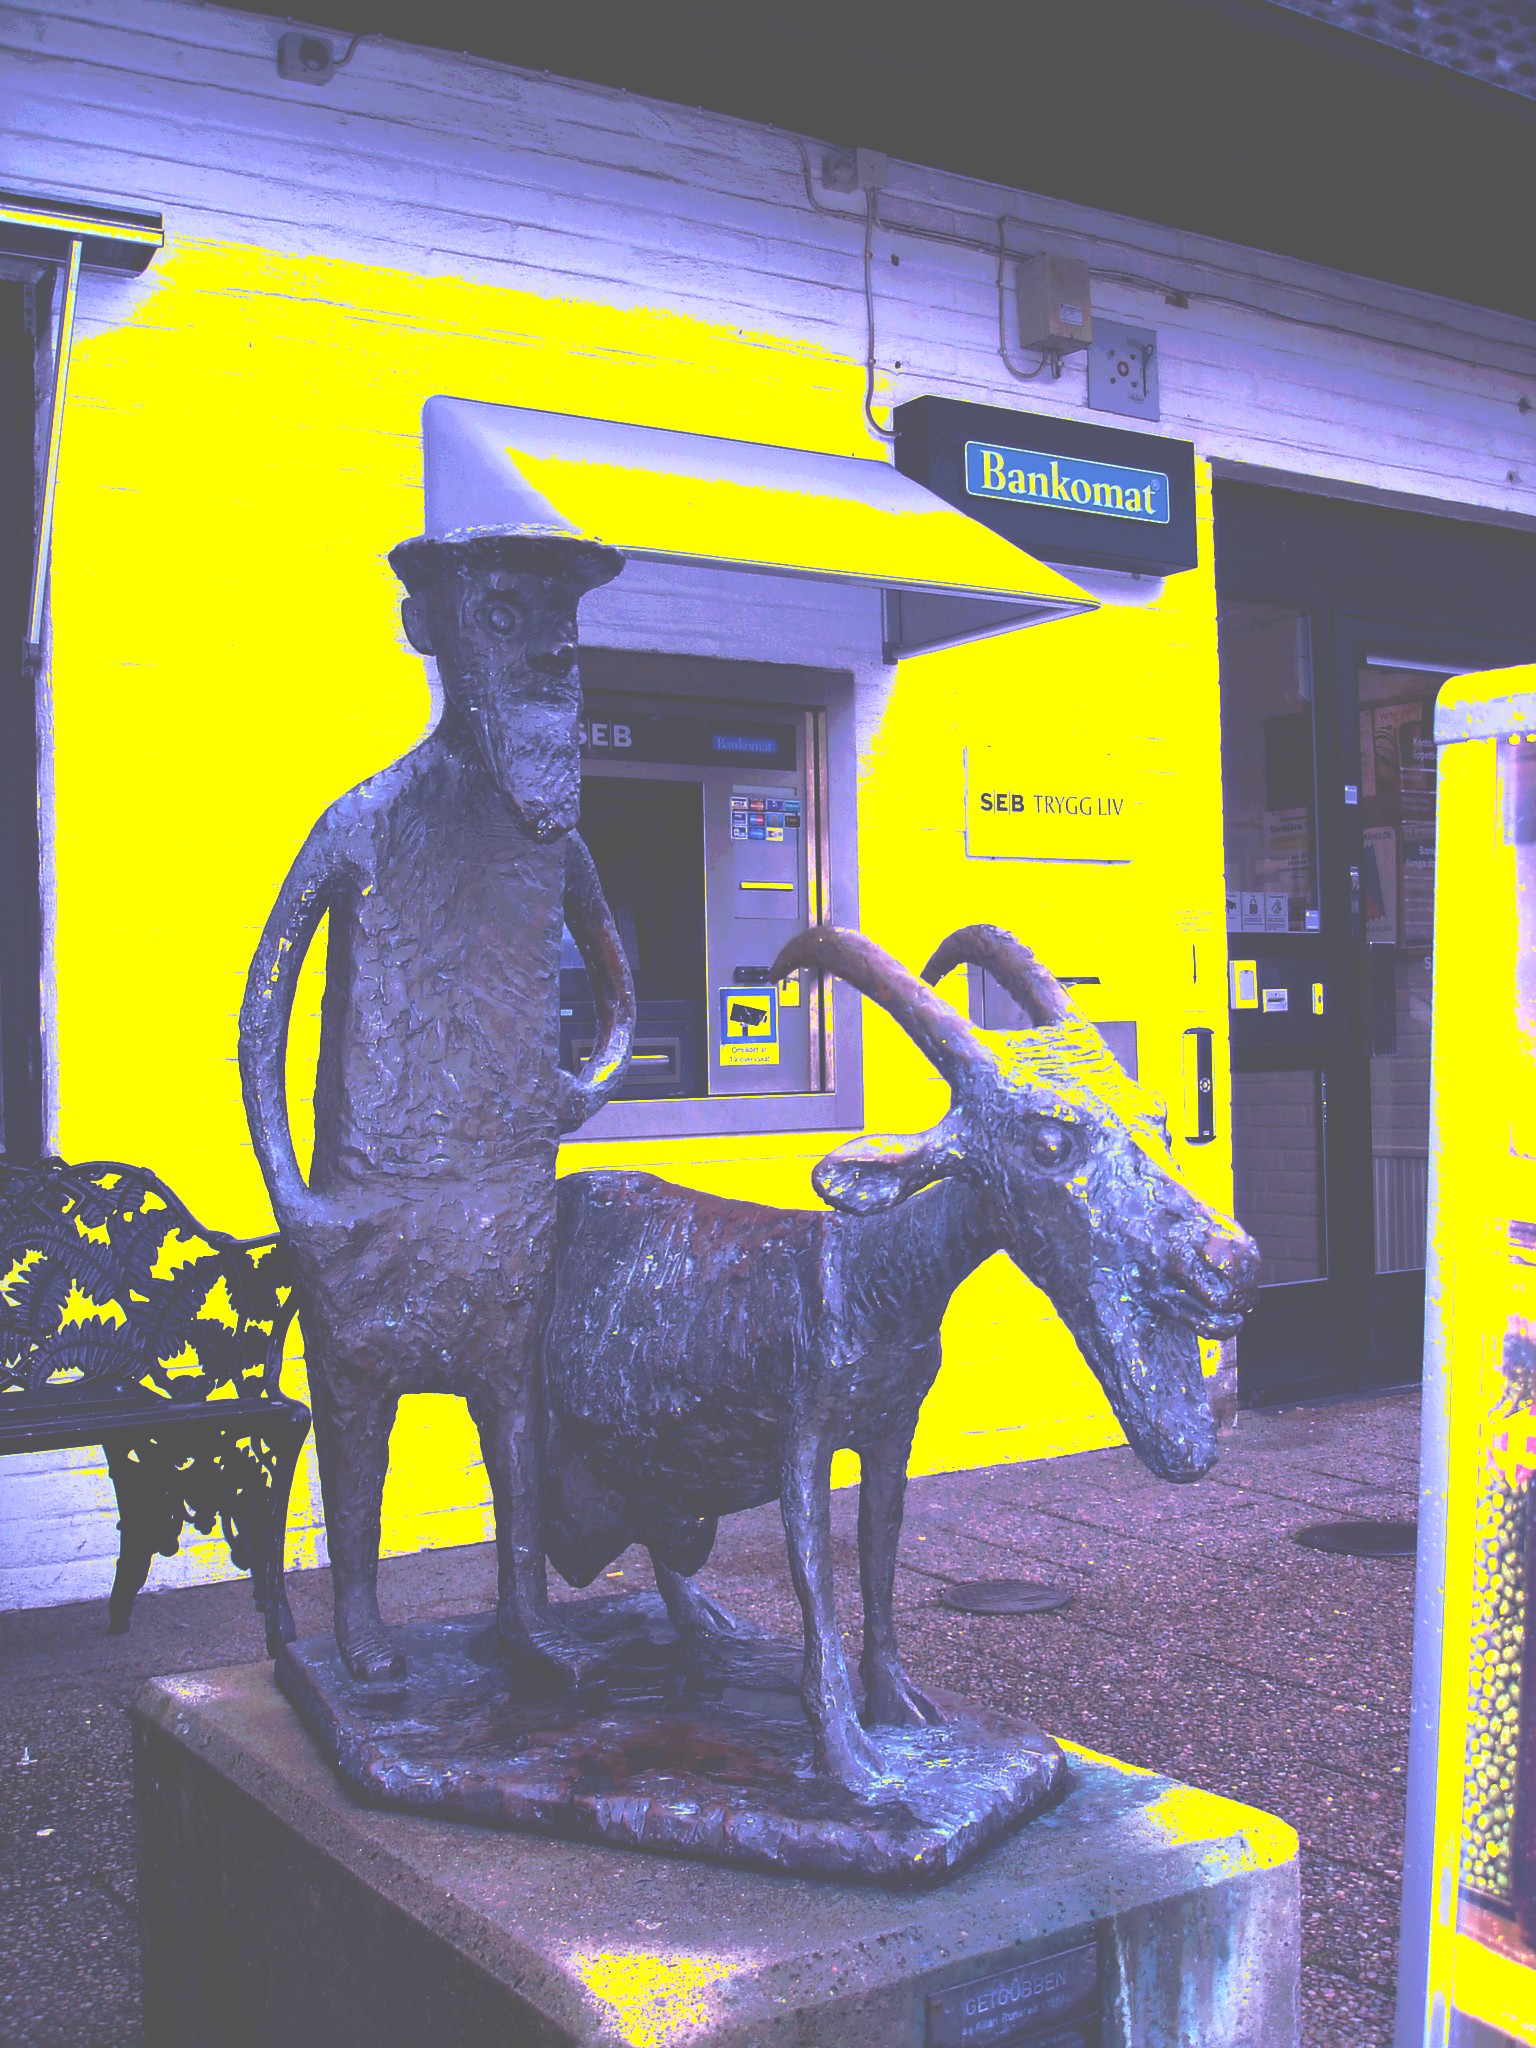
(1199,1086)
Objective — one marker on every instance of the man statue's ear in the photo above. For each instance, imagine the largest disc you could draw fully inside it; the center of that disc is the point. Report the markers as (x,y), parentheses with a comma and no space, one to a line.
(870,1174)
(413,616)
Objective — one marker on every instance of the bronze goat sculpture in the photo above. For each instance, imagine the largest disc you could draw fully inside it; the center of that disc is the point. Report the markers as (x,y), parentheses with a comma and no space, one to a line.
(705,1356)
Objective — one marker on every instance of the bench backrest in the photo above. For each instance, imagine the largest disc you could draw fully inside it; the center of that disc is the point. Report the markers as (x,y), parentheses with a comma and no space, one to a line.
(110,1287)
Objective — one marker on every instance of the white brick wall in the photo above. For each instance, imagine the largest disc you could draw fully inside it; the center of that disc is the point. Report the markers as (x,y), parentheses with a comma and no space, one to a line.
(447,165)
(443,163)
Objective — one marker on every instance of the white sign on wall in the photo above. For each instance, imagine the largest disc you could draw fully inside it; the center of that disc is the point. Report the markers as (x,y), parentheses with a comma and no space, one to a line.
(1051,800)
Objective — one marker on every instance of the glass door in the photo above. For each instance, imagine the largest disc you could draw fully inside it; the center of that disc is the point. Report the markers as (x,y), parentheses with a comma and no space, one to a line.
(1285,997)
(1390,678)
(1338,625)
(1330,916)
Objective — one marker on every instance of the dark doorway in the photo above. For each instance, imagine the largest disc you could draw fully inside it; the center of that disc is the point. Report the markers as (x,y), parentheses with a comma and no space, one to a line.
(1339,623)
(21,1095)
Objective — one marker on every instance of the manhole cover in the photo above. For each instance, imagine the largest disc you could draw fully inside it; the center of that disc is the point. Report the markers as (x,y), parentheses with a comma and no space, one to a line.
(1004,1596)
(1361,1539)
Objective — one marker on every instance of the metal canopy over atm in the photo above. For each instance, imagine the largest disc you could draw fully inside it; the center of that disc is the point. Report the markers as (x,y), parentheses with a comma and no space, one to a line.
(700,500)
(714,806)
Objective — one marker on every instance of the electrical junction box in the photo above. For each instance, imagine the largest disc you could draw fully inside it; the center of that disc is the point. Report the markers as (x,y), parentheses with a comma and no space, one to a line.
(1055,304)
(306,57)
(1122,370)
(855,170)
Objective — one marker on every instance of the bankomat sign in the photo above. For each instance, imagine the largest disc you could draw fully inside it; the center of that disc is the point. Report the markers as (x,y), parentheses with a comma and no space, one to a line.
(1104,489)
(1065,490)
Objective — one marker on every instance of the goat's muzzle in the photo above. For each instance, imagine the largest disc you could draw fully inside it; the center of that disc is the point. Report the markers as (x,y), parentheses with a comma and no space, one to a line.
(1210,1281)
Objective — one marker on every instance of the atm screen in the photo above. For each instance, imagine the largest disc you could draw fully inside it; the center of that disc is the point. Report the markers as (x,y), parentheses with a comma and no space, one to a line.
(700,822)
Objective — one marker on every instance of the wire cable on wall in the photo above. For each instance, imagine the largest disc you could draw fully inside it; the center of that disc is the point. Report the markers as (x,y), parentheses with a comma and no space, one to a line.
(871,206)
(871,222)
(1175,293)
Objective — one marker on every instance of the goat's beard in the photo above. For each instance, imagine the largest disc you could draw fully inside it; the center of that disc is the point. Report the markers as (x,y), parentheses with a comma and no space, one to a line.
(1149,1367)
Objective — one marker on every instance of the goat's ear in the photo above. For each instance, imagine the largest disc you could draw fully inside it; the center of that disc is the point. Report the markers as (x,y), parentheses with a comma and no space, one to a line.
(869,1174)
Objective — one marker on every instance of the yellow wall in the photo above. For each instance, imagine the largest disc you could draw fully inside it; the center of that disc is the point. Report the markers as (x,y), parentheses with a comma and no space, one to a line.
(239,455)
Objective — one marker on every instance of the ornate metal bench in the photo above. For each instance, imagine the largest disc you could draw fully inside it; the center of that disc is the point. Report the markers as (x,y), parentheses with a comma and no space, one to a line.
(125,1322)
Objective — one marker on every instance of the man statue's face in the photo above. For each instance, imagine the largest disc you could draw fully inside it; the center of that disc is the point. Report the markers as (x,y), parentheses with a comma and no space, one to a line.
(505,644)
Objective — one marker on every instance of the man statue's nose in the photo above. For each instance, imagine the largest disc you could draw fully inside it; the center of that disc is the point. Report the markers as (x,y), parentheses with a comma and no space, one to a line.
(554,661)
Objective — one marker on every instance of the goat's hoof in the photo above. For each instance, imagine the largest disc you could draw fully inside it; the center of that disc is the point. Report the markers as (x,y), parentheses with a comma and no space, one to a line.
(370,1656)
(705,1622)
(552,1653)
(858,1767)
(893,1701)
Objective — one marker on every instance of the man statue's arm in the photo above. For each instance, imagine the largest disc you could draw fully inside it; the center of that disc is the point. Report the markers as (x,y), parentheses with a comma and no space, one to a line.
(592,927)
(302,901)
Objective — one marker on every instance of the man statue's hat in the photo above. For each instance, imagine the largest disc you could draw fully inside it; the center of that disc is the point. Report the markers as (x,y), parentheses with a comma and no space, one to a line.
(523,532)
(585,564)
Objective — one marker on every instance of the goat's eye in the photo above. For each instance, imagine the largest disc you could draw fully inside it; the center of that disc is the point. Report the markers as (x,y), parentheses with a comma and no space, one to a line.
(501,617)
(1050,1143)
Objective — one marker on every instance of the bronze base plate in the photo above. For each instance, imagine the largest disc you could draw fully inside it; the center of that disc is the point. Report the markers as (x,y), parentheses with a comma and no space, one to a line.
(688,1751)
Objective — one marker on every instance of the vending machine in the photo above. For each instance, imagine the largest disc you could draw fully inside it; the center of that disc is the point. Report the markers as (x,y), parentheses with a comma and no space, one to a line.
(1468,1967)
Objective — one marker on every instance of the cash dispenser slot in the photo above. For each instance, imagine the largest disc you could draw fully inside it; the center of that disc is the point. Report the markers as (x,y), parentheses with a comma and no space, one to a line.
(700,822)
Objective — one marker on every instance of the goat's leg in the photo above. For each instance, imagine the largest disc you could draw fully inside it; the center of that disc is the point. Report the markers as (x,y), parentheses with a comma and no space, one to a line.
(890,1698)
(843,1750)
(353,1418)
(506,1412)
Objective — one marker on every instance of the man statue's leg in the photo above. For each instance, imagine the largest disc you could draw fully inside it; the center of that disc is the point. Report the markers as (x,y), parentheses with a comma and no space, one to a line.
(507,1407)
(354,1411)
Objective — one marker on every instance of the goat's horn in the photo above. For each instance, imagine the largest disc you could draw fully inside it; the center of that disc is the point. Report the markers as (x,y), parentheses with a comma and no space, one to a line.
(1013,967)
(940,1032)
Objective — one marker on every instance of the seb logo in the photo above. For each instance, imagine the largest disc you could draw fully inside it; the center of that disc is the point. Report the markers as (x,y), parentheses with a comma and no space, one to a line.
(1107,490)
(604,735)
(1047,805)
(1051,798)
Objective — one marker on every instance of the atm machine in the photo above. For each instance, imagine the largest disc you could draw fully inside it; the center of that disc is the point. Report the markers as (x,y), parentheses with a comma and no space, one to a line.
(707,832)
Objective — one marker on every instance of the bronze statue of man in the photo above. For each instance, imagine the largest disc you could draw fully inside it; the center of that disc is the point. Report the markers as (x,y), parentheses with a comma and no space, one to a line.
(424,1236)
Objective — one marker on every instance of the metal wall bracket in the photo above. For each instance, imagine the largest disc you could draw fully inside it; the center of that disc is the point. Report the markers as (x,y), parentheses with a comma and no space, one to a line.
(62,232)
(63,335)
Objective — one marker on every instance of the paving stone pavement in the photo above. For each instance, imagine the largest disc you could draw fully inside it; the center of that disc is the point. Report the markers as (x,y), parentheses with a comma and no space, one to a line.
(1202,1642)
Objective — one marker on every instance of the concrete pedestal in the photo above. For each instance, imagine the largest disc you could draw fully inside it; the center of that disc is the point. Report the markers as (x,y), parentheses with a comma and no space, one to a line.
(279,1914)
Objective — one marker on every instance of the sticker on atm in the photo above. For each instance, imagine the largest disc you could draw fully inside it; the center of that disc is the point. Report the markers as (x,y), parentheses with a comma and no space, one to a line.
(749,1027)
(1245,984)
